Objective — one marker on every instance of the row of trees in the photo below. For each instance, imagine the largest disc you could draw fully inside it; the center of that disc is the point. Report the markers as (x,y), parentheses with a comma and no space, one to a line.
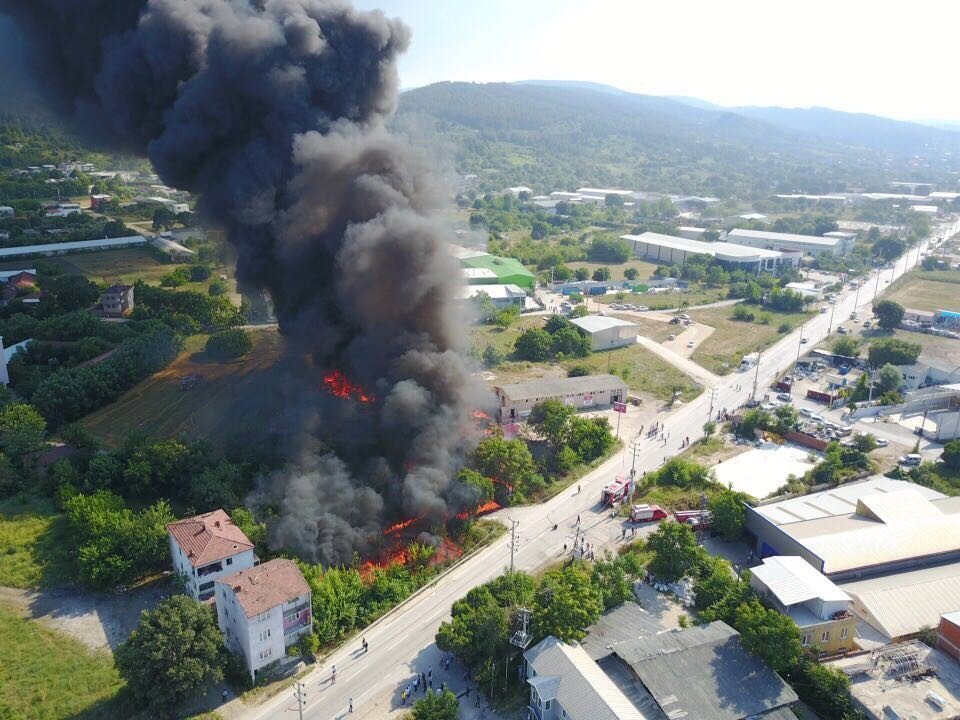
(559,338)
(570,439)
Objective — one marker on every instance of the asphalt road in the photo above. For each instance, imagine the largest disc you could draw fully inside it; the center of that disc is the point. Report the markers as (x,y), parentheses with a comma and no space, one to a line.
(403,641)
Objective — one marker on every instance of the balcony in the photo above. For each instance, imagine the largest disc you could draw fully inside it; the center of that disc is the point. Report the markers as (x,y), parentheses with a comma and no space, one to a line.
(292,623)
(211,568)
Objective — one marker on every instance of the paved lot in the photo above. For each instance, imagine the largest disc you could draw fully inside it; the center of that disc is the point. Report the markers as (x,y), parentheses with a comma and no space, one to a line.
(759,472)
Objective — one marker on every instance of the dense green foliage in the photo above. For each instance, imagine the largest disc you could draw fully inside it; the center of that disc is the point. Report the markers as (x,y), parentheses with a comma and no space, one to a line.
(728,513)
(559,338)
(176,307)
(675,551)
(174,652)
(436,706)
(229,344)
(894,351)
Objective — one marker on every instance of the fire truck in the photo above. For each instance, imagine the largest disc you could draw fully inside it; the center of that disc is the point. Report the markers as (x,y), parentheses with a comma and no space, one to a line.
(647,513)
(617,492)
(695,518)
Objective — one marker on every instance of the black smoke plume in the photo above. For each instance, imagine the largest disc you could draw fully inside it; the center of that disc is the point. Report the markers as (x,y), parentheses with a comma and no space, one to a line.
(273,112)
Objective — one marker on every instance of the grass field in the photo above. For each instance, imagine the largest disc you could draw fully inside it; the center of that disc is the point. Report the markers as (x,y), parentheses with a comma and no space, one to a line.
(927,290)
(697,295)
(644,269)
(643,371)
(731,339)
(158,407)
(33,550)
(46,675)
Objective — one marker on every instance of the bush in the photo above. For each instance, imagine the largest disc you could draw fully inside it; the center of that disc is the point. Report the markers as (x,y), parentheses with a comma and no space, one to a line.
(216,288)
(199,272)
(229,344)
(742,314)
(784,328)
(894,351)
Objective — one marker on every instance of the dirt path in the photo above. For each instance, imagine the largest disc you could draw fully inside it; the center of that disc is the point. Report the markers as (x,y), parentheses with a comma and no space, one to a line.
(101,621)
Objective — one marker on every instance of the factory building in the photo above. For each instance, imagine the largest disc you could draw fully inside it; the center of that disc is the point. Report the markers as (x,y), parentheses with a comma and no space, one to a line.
(480,268)
(786,242)
(502,296)
(583,393)
(668,249)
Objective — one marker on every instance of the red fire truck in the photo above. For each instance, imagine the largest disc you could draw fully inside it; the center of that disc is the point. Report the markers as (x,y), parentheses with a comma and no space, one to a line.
(618,491)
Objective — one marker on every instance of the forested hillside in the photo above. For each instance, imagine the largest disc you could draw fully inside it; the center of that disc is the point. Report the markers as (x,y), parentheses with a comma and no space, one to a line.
(562,136)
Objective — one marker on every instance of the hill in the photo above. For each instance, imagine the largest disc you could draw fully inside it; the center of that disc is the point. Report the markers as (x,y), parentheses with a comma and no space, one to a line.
(564,135)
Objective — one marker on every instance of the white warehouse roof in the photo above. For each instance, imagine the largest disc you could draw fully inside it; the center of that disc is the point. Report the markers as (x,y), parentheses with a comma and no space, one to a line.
(604,191)
(782,237)
(68,246)
(719,250)
(793,580)
(599,323)
(494,292)
(478,273)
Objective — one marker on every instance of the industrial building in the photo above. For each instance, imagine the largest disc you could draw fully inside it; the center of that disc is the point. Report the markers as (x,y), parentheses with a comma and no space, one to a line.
(861,529)
(806,289)
(493,270)
(607,332)
(819,608)
(692,233)
(583,393)
(669,249)
(68,247)
(702,672)
(784,242)
(502,296)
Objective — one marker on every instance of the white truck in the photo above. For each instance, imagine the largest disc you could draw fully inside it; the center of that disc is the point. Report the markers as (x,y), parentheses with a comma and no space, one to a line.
(749,361)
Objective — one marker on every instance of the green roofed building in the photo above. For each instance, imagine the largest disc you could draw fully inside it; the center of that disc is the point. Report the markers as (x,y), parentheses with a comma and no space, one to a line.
(492,270)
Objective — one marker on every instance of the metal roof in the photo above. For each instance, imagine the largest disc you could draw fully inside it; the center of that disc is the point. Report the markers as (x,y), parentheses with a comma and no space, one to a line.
(598,323)
(782,237)
(494,292)
(793,580)
(721,250)
(67,246)
(869,524)
(582,688)
(903,603)
(559,387)
(705,673)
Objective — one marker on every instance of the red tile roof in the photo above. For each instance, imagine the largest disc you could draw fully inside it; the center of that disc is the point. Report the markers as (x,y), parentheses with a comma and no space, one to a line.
(209,537)
(265,586)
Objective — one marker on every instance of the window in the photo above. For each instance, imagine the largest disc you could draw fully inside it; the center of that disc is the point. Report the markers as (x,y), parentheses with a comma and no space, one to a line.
(264,634)
(825,637)
(229,561)
(546,705)
(843,633)
(805,640)
(264,654)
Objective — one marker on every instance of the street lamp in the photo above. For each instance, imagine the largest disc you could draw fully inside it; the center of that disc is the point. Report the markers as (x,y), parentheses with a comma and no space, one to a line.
(800,345)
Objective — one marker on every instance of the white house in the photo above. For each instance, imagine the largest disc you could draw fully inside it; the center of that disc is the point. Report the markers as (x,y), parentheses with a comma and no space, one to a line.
(502,296)
(263,610)
(515,191)
(206,547)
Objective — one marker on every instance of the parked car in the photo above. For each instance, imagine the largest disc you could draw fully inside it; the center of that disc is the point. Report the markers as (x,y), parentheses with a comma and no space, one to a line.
(804,341)
(690,343)
(642,308)
(806,412)
(817,417)
(911,460)
(842,330)
(672,337)
(675,321)
(784,396)
(867,323)
(844,369)
(881,442)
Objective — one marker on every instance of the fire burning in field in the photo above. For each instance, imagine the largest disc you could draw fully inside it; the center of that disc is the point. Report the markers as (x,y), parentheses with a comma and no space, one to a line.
(487,507)
(398,527)
(340,386)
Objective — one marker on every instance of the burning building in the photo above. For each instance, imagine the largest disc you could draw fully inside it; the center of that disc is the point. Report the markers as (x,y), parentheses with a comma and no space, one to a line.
(274,112)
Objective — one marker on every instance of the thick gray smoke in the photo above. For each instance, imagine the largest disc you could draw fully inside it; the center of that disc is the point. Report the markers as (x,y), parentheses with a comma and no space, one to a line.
(273,112)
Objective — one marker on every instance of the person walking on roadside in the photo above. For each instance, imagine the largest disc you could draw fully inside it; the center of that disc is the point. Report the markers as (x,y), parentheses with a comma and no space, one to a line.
(350,705)
(333,675)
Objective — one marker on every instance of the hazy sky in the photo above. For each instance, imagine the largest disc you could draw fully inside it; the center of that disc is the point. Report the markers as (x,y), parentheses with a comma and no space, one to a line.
(884,57)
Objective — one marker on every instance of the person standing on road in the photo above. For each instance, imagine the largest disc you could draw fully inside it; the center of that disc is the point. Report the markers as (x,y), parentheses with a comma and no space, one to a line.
(333,675)
(350,704)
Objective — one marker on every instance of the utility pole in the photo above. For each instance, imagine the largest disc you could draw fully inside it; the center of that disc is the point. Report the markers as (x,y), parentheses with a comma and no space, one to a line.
(756,377)
(300,693)
(832,308)
(713,396)
(870,385)
(513,540)
(800,344)
(634,451)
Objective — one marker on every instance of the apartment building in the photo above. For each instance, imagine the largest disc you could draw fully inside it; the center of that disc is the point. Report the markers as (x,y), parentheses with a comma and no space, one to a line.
(206,547)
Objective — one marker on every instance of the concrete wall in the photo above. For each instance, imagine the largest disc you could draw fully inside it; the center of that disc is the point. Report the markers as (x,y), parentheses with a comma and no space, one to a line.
(510,409)
(840,635)
(769,540)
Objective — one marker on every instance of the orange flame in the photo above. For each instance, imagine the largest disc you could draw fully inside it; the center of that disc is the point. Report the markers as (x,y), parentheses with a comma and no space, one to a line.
(340,386)
(480,416)
(402,525)
(483,509)
(504,483)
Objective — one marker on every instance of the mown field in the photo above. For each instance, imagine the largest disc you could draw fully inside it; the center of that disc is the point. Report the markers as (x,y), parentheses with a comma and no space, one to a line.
(210,410)
(732,339)
(46,675)
(927,290)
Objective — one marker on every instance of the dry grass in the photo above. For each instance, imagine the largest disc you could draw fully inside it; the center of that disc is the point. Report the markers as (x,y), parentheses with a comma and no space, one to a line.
(644,269)
(934,290)
(210,410)
(732,339)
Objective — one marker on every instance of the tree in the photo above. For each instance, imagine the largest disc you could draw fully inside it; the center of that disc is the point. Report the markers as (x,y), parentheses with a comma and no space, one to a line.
(478,628)
(568,603)
(590,438)
(505,318)
(728,513)
(709,428)
(508,461)
(581,274)
(175,651)
(610,577)
(22,431)
(888,379)
(551,419)
(951,455)
(163,219)
(570,342)
(889,314)
(216,288)
(631,273)
(601,274)
(717,276)
(435,706)
(199,272)
(894,351)
(534,345)
(675,550)
(229,344)
(846,346)
(492,356)
(539,230)
(768,634)
(609,249)
(481,486)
